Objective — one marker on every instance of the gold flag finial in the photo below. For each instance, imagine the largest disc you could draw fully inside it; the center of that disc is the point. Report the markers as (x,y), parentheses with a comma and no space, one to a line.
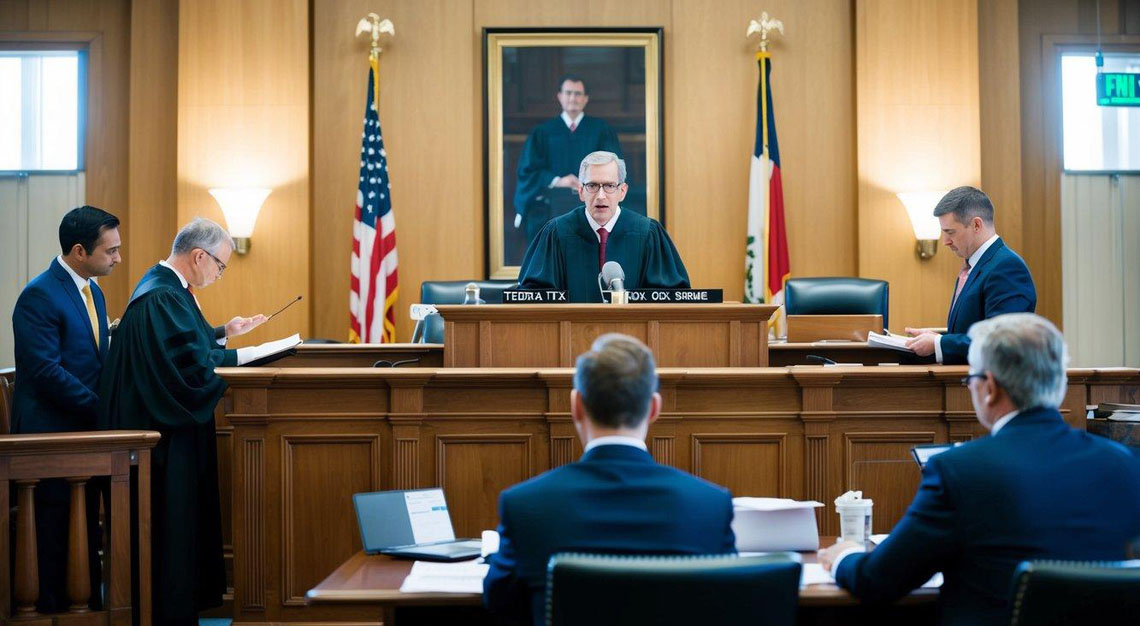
(764,26)
(374,25)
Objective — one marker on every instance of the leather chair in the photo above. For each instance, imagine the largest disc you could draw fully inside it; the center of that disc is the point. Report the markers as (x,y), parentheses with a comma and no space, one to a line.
(1047,593)
(839,295)
(430,329)
(709,590)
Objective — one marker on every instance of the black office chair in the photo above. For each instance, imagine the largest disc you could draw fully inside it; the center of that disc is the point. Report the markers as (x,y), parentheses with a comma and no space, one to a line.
(838,295)
(709,590)
(430,329)
(1047,593)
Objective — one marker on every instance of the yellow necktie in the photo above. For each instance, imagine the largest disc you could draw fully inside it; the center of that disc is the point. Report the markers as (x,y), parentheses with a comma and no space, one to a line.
(91,312)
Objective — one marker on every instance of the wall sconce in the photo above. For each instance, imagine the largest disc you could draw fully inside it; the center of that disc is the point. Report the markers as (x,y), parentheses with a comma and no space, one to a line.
(240,206)
(920,208)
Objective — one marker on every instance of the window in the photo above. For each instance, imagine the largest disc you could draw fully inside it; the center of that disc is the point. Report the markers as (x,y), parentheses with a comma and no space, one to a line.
(42,110)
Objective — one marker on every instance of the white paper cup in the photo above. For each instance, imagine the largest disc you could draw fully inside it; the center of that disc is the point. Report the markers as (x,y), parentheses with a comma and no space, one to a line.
(855,521)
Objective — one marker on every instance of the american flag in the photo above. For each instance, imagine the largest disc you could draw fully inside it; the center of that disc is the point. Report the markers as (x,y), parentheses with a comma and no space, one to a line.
(766,264)
(372,300)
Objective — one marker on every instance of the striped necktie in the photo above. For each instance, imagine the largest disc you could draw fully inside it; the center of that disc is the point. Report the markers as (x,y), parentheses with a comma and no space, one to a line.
(91,314)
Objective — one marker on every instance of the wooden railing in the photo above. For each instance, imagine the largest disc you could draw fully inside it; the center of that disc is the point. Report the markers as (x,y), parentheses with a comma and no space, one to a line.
(77,457)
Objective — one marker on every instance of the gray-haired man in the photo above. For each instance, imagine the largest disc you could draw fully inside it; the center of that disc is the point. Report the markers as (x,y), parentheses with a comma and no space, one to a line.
(159,375)
(570,249)
(1034,489)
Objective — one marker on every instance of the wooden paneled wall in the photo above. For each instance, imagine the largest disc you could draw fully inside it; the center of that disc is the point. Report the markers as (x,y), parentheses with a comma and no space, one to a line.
(105,27)
(243,121)
(431,113)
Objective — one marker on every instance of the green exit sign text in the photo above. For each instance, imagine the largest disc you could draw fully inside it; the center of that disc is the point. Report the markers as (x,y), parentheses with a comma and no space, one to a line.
(1114,89)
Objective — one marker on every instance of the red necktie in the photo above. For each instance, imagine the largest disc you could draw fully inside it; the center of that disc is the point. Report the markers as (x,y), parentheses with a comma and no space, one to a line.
(573,126)
(962,276)
(603,235)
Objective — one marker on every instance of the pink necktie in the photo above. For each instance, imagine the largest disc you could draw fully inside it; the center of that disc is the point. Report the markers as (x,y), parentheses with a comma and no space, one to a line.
(573,126)
(962,276)
(603,235)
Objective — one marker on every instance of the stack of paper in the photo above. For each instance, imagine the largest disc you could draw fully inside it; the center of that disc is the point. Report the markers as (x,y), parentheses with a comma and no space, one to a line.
(774,524)
(1121,412)
(814,574)
(461,577)
(894,342)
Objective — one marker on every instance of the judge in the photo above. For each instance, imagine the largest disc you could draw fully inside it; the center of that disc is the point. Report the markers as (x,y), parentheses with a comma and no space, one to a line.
(550,157)
(571,249)
(160,376)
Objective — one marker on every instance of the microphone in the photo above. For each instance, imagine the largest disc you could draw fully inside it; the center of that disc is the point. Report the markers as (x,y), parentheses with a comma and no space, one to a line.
(612,279)
(471,294)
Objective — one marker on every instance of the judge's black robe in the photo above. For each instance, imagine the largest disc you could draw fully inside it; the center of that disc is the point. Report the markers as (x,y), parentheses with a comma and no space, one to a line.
(565,256)
(159,375)
(552,150)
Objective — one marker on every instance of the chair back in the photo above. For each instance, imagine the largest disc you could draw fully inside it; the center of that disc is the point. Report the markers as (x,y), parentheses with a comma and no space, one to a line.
(710,590)
(430,329)
(1047,593)
(838,295)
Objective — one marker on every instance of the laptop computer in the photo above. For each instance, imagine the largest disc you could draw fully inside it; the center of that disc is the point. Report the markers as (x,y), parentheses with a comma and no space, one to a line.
(923,452)
(413,524)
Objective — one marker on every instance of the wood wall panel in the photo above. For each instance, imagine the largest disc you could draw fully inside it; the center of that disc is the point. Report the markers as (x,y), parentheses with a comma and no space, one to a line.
(243,121)
(880,465)
(474,468)
(1000,114)
(748,464)
(434,137)
(918,125)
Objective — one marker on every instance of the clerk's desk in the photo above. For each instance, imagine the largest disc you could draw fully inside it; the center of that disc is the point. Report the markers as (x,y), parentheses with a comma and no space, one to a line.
(373,582)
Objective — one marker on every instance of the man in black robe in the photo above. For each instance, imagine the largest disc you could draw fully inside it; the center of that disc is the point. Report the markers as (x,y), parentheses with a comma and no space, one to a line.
(159,375)
(571,249)
(547,176)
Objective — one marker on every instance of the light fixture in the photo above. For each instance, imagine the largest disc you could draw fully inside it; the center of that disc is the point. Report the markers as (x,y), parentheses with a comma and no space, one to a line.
(920,208)
(240,206)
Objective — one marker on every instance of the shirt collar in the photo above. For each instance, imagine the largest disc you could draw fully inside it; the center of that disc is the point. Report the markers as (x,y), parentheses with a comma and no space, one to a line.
(1002,421)
(576,121)
(80,282)
(176,273)
(616,440)
(977,255)
(594,225)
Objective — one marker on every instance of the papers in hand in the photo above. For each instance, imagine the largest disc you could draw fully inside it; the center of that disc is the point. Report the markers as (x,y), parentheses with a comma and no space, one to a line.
(894,342)
(461,577)
(271,348)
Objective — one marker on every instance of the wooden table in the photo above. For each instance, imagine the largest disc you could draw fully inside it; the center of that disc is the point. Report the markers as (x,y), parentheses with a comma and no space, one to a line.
(374,581)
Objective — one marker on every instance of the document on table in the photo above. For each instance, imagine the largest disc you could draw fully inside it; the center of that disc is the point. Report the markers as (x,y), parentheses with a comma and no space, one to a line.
(814,574)
(461,577)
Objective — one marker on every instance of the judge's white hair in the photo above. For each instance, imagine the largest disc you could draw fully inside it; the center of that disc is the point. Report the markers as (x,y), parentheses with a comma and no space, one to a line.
(201,233)
(1026,355)
(601,157)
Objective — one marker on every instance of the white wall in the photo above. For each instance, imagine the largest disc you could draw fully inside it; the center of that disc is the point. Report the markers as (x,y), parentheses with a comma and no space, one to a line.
(30,210)
(1100,261)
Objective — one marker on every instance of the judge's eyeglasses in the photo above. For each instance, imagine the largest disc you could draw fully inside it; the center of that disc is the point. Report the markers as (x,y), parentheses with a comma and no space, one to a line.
(221,266)
(594,187)
(966,379)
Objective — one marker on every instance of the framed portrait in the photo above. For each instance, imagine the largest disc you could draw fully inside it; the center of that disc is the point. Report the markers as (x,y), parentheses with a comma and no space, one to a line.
(551,96)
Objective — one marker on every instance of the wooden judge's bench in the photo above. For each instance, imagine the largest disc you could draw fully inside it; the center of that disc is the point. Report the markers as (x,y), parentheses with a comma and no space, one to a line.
(491,408)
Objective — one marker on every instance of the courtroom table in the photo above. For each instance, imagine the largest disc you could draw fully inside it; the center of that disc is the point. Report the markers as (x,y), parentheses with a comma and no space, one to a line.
(373,581)
(783,354)
(295,443)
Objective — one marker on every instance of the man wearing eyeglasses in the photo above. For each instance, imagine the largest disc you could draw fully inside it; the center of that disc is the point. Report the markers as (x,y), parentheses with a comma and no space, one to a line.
(1034,489)
(159,375)
(571,249)
(547,172)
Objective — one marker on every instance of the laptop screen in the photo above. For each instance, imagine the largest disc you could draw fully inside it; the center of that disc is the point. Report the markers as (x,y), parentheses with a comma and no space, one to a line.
(402,518)
(923,453)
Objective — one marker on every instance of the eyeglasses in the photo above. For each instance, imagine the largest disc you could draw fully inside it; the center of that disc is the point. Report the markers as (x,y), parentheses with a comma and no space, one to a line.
(594,187)
(221,266)
(572,94)
(966,379)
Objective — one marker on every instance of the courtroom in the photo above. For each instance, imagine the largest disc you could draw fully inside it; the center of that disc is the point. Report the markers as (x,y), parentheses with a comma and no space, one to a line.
(524,312)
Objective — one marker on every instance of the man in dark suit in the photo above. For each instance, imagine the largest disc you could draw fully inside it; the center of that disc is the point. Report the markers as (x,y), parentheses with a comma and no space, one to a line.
(1034,489)
(993,279)
(615,499)
(61,337)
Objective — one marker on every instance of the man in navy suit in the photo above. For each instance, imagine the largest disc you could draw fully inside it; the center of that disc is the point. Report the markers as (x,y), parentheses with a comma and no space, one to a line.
(1034,489)
(615,499)
(61,337)
(993,279)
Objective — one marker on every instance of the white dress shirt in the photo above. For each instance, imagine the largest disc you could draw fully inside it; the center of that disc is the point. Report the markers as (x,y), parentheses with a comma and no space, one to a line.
(615,440)
(609,226)
(244,355)
(973,261)
(80,282)
(1002,421)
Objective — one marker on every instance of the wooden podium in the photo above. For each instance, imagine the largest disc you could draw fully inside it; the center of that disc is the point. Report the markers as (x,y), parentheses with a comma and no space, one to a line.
(553,335)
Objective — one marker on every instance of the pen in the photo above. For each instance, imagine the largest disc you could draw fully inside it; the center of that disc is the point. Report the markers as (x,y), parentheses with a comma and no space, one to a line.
(291,303)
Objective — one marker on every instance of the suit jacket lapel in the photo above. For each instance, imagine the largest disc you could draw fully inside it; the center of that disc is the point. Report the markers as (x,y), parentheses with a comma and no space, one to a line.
(972,278)
(68,287)
(101,315)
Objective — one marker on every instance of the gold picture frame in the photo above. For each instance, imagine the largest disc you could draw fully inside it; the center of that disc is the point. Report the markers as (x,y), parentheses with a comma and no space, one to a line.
(622,70)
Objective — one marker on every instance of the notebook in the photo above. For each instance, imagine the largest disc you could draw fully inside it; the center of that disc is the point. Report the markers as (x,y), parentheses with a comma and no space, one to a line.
(413,524)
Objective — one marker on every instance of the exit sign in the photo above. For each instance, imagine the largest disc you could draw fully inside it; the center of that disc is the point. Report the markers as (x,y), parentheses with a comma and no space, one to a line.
(1115,89)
